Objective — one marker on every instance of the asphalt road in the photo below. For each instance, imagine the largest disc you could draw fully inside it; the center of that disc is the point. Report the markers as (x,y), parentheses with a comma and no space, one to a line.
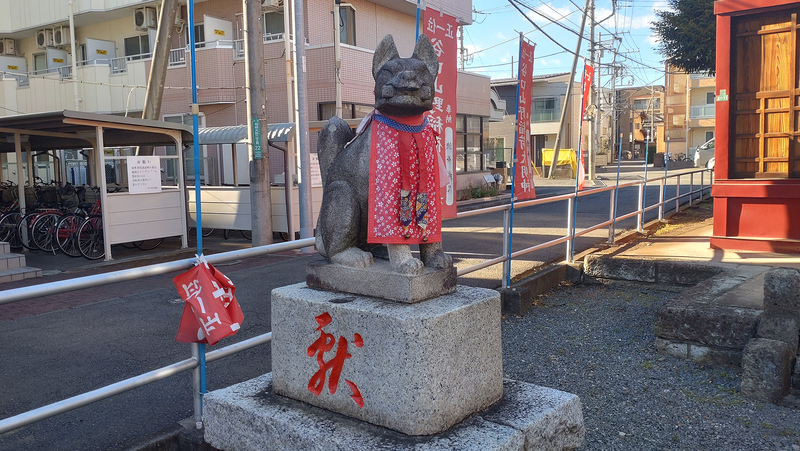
(64,345)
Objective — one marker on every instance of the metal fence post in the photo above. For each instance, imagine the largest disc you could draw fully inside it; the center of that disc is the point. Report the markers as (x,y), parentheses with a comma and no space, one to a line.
(196,395)
(612,215)
(570,202)
(691,189)
(661,199)
(678,194)
(506,249)
(640,207)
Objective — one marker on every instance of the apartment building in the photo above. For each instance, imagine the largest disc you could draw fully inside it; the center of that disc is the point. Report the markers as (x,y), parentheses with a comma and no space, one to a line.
(641,119)
(113,42)
(689,109)
(548,92)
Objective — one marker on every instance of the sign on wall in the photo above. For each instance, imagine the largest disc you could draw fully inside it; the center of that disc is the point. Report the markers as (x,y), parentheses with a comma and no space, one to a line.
(144,175)
(441,29)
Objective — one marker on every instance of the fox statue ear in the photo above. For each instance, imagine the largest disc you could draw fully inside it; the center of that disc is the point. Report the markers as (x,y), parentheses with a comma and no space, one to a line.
(424,52)
(385,52)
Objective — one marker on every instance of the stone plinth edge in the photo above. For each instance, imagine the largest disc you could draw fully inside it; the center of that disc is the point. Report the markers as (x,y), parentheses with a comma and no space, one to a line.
(379,281)
(249,416)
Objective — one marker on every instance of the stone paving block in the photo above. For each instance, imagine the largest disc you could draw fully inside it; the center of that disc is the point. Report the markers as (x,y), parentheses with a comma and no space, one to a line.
(380,281)
(515,301)
(706,324)
(781,327)
(684,273)
(782,291)
(766,370)
(620,268)
(420,369)
(249,417)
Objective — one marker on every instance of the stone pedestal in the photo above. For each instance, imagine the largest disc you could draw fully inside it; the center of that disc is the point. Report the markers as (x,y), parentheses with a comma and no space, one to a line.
(415,368)
(250,417)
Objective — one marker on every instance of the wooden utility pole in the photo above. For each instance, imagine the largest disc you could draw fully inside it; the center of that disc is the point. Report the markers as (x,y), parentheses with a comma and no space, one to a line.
(158,68)
(567,99)
(260,198)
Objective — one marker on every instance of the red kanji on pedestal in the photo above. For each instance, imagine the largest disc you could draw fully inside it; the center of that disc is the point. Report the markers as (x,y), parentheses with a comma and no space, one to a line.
(325,344)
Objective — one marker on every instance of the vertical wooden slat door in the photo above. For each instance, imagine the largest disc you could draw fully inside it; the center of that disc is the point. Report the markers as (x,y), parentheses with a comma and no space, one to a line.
(766,82)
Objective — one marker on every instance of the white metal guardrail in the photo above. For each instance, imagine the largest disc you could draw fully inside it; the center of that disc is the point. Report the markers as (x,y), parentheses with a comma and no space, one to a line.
(193,363)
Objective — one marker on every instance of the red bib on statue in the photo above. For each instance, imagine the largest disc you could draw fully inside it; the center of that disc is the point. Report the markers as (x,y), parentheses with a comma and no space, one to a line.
(404,204)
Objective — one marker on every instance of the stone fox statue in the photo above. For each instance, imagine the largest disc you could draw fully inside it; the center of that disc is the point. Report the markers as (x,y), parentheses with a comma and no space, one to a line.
(382,184)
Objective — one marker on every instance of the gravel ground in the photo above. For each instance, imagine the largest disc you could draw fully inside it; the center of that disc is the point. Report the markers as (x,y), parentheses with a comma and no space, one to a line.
(597,341)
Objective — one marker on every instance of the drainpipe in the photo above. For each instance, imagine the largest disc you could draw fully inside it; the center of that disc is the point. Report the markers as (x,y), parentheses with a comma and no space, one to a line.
(74,58)
(337,56)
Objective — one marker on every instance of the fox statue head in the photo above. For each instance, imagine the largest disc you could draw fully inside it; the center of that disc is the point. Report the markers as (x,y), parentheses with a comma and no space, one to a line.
(404,86)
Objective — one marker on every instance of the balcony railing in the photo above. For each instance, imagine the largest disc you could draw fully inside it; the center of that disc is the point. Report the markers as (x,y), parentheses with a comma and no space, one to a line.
(702,111)
(699,76)
(177,57)
(544,116)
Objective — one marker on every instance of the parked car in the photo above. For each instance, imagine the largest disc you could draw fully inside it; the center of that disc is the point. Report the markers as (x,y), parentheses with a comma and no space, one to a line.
(710,164)
(703,154)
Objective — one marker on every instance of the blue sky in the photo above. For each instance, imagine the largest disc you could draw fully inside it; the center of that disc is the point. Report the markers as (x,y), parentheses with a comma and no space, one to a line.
(493,41)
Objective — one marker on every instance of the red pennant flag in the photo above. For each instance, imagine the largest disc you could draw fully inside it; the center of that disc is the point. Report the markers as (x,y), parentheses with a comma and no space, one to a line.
(211,311)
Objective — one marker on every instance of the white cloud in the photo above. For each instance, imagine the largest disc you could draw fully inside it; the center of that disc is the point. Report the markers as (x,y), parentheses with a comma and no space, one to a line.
(500,36)
(653,40)
(642,21)
(548,62)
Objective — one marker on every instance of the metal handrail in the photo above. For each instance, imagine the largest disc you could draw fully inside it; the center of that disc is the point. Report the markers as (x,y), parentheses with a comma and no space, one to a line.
(19,294)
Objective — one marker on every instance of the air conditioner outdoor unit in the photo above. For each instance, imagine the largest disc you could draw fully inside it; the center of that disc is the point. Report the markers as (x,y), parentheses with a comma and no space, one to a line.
(144,18)
(272,5)
(7,47)
(44,38)
(61,35)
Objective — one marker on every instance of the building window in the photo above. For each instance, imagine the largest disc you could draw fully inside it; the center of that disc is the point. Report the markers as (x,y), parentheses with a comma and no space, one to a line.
(273,26)
(326,110)
(199,35)
(347,25)
(39,62)
(709,135)
(644,104)
(470,155)
(710,98)
(544,110)
(137,47)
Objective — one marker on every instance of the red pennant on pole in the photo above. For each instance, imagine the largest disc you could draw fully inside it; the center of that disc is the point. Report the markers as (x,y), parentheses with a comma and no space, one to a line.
(586,88)
(210,311)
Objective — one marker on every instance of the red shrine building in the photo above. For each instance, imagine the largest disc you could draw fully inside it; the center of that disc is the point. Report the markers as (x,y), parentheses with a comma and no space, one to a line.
(757,187)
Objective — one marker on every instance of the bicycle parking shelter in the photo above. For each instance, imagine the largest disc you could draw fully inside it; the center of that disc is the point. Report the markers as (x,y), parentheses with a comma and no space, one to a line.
(124,213)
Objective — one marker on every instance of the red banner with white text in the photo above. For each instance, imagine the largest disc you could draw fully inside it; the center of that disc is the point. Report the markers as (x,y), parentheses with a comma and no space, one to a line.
(523,168)
(441,30)
(586,88)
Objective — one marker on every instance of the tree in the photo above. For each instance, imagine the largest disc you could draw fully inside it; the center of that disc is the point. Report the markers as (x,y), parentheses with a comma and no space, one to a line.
(688,34)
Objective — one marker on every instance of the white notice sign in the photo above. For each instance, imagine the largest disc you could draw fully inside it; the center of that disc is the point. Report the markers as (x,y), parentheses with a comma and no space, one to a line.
(144,175)
(316,174)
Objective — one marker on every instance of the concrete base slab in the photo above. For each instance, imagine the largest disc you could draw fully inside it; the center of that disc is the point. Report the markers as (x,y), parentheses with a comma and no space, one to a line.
(415,368)
(380,281)
(249,416)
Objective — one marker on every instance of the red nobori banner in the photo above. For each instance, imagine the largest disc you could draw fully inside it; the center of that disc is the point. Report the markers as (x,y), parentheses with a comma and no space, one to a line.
(441,30)
(588,75)
(523,169)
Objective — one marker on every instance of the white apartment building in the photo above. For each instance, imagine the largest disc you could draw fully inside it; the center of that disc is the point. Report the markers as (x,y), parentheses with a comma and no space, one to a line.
(113,42)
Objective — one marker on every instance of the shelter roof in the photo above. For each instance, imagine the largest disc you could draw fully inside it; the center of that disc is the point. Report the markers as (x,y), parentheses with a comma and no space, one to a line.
(76,129)
(238,133)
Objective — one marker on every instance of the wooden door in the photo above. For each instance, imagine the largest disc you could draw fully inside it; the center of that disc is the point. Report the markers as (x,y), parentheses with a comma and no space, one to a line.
(766,96)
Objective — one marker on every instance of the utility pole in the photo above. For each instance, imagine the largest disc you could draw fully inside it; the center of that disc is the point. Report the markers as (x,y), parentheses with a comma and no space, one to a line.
(158,68)
(337,55)
(462,50)
(592,139)
(257,131)
(304,188)
(567,99)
